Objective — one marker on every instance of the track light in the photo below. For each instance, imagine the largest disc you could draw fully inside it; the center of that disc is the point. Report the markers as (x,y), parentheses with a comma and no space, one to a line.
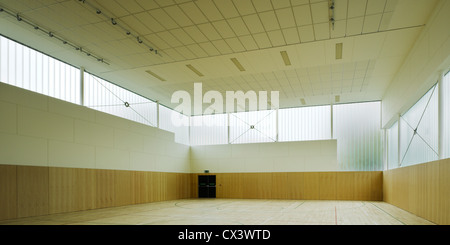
(18,17)
(50,34)
(128,33)
(113,21)
(98,11)
(139,40)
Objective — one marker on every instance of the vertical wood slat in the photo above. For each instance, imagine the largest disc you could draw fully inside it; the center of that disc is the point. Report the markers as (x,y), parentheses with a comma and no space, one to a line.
(8,192)
(32,191)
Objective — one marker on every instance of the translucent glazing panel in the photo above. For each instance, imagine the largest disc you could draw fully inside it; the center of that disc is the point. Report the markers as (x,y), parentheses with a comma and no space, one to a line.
(359,137)
(392,146)
(446,116)
(253,127)
(112,99)
(28,69)
(209,129)
(307,123)
(419,131)
(176,123)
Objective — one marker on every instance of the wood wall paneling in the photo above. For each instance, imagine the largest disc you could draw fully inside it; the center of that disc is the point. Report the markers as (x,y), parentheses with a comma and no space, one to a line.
(32,191)
(8,192)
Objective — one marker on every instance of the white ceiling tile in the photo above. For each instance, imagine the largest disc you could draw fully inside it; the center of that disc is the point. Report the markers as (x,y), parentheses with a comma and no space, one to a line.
(262,40)
(182,36)
(226,7)
(193,12)
(372,23)
(299,2)
(291,35)
(208,30)
(302,15)
(276,38)
(253,23)
(354,26)
(197,50)
(157,41)
(385,21)
(163,18)
(322,31)
(340,9)
(306,33)
(339,29)
(135,25)
(375,6)
(262,5)
(286,18)
(235,44)
(356,8)
(320,12)
(169,39)
(224,29)
(245,7)
(209,9)
(185,52)
(150,22)
(147,4)
(269,20)
(131,6)
(209,48)
(164,3)
(278,4)
(238,26)
(178,15)
(248,42)
(195,34)
(222,46)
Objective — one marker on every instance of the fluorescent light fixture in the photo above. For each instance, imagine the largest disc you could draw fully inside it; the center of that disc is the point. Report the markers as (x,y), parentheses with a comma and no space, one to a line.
(156,76)
(303,101)
(337,98)
(194,70)
(237,64)
(285,57)
(339,47)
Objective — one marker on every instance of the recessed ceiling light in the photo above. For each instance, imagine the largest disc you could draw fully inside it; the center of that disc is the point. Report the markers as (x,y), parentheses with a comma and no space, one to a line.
(339,47)
(303,101)
(238,64)
(337,98)
(194,70)
(156,75)
(285,57)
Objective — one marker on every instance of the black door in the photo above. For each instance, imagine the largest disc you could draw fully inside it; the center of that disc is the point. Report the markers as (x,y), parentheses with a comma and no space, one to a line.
(206,186)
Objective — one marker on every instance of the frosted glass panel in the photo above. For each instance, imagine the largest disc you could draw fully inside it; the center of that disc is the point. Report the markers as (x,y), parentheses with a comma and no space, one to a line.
(392,146)
(306,123)
(446,116)
(28,69)
(252,127)
(359,137)
(209,129)
(176,123)
(112,99)
(419,131)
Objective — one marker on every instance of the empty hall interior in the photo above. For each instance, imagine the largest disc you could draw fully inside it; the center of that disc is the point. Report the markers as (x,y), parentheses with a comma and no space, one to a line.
(218,112)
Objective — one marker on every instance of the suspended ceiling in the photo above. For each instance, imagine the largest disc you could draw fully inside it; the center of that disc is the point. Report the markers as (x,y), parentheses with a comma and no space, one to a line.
(211,35)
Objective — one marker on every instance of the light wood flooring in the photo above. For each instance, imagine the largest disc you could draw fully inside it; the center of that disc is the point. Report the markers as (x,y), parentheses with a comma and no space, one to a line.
(235,212)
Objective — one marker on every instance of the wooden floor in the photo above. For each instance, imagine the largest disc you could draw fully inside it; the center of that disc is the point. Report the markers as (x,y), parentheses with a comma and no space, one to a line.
(235,212)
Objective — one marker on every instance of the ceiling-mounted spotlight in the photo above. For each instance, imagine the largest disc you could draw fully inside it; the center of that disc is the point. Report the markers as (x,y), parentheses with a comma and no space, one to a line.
(98,11)
(36,27)
(18,17)
(139,40)
(128,33)
(151,49)
(332,19)
(113,21)
(50,34)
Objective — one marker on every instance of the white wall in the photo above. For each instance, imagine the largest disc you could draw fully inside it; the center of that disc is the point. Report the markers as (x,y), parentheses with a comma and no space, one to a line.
(305,156)
(38,130)
(430,54)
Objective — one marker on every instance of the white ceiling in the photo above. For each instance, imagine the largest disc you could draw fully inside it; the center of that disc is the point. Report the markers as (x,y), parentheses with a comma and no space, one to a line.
(376,35)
